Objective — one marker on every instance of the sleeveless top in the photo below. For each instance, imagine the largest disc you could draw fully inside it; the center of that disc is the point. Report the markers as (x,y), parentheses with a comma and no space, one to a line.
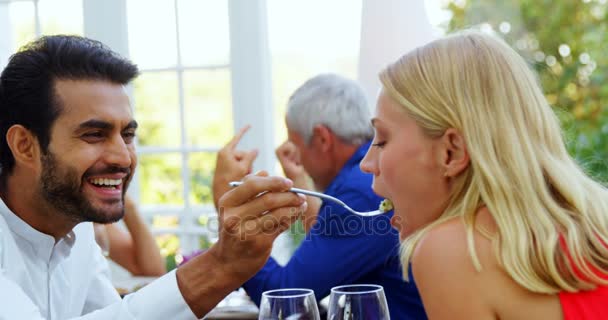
(585,305)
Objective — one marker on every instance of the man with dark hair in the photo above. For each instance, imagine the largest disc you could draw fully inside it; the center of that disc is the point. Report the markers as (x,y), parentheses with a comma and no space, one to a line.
(67,156)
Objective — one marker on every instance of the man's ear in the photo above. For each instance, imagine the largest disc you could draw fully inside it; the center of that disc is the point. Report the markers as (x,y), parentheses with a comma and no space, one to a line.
(455,155)
(24,145)
(324,137)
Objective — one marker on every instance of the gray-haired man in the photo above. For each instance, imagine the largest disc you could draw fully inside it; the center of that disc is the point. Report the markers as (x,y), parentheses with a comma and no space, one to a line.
(329,132)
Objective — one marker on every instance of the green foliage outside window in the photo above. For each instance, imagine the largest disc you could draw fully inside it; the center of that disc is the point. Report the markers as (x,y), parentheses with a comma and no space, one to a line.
(565,42)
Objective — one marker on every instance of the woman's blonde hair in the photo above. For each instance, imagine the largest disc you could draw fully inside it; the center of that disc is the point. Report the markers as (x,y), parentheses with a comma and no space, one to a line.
(520,169)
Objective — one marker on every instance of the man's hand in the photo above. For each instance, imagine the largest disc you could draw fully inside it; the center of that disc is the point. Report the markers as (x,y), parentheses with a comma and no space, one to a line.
(231,165)
(251,216)
(289,157)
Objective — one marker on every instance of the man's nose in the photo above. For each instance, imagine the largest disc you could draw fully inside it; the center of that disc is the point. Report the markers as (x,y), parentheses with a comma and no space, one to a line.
(118,153)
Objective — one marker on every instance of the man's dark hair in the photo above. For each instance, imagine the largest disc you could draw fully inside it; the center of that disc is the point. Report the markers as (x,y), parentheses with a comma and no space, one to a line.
(27,95)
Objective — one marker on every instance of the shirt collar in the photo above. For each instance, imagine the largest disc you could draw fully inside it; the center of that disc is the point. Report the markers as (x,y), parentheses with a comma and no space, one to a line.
(42,243)
(356,158)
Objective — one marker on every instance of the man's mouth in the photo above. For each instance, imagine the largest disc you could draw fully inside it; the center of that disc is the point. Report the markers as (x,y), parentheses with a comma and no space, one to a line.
(106,183)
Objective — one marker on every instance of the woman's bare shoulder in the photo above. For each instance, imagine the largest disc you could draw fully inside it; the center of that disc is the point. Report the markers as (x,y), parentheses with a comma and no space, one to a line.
(447,242)
(446,276)
(450,285)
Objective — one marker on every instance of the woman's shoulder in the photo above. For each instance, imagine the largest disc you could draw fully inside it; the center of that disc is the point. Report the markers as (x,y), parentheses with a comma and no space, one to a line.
(447,242)
(448,278)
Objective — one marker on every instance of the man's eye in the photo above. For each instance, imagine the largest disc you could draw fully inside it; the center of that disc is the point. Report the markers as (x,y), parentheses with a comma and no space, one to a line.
(94,134)
(128,136)
(379,144)
(93,137)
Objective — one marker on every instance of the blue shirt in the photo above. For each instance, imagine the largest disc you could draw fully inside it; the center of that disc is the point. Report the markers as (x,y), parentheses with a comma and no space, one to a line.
(343,248)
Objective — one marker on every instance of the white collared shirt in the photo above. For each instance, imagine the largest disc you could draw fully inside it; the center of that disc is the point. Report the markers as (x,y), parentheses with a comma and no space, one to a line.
(67,279)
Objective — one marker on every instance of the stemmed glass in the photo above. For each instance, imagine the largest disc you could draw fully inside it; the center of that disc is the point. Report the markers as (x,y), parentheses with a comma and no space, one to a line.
(358,302)
(289,304)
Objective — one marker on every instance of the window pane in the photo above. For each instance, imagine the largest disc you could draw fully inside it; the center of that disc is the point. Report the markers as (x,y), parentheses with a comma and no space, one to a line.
(204,32)
(160,179)
(210,222)
(208,106)
(23,23)
(165,221)
(211,225)
(157,109)
(201,166)
(152,40)
(204,242)
(60,16)
(169,245)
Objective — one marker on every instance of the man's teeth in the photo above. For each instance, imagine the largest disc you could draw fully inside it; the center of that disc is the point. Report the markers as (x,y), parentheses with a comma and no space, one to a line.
(106,182)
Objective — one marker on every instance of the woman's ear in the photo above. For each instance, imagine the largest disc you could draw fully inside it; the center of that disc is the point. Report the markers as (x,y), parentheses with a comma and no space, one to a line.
(456,155)
(23,145)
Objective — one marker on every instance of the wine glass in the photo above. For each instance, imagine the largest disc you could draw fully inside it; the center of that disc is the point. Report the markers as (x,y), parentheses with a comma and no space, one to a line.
(358,302)
(289,304)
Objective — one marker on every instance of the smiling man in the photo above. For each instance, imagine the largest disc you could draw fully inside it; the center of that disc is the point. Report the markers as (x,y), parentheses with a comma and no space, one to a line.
(66,156)
(86,173)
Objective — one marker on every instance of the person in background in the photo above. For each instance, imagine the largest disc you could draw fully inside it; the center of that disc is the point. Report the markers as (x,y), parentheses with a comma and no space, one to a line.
(329,131)
(67,155)
(496,218)
(134,248)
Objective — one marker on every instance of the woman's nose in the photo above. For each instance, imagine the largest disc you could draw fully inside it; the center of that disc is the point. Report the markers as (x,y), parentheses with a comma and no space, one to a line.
(367,163)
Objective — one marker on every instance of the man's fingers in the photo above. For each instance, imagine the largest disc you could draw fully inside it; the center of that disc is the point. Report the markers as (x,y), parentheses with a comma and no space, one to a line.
(237,137)
(279,220)
(288,153)
(269,201)
(249,157)
(286,148)
(252,186)
(261,173)
(281,148)
(272,223)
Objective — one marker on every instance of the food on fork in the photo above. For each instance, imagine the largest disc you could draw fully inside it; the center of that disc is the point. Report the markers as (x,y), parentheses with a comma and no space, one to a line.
(385,205)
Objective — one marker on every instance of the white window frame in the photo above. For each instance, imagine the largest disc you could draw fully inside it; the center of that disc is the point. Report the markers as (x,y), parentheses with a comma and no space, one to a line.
(250,77)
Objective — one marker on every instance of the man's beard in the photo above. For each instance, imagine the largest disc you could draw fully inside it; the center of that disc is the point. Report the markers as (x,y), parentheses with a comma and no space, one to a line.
(61,188)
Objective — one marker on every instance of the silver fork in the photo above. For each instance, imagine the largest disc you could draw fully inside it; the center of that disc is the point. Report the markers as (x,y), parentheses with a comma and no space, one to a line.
(323,196)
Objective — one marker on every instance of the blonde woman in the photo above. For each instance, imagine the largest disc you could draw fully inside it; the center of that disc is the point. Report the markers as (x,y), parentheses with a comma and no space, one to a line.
(497,221)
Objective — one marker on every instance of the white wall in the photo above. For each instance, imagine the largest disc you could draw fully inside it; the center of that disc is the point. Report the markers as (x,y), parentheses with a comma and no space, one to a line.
(389,29)
(251,79)
(5,35)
